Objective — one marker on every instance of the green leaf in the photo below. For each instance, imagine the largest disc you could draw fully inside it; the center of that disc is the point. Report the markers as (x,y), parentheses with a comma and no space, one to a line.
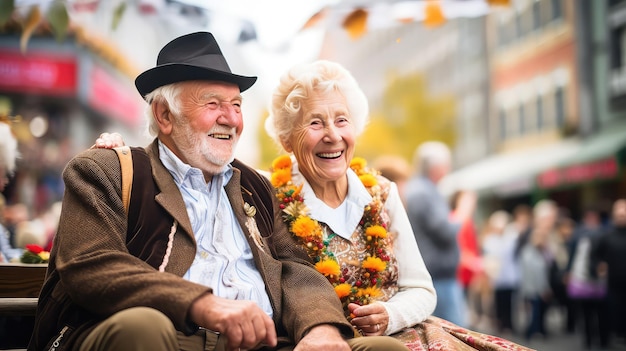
(6,9)
(58,18)
(117,14)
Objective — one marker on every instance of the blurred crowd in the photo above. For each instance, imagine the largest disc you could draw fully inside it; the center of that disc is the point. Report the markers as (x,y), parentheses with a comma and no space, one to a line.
(516,267)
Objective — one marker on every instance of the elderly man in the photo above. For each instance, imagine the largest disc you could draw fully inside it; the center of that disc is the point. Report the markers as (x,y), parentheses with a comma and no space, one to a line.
(203,260)
(436,229)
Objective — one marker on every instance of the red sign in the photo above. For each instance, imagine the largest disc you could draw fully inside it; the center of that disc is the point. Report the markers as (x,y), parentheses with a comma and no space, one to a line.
(597,170)
(113,98)
(38,73)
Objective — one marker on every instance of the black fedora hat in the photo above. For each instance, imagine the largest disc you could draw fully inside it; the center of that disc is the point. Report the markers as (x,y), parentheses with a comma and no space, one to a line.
(194,56)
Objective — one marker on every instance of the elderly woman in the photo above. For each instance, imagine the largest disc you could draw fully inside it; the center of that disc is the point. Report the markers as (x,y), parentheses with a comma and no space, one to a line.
(348,218)
(317,112)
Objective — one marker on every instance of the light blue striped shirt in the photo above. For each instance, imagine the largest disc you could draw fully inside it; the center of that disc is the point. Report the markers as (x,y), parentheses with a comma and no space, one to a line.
(223,260)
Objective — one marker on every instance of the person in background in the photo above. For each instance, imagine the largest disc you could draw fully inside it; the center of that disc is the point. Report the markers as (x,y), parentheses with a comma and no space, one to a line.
(536,258)
(8,155)
(394,168)
(498,246)
(565,227)
(436,230)
(607,260)
(584,289)
(470,272)
(203,259)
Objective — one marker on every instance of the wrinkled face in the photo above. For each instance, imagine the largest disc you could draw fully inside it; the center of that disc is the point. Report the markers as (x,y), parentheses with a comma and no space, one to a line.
(323,138)
(209,126)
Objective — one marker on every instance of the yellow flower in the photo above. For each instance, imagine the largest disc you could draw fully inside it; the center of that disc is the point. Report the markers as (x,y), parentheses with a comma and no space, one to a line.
(368,180)
(357,164)
(374,263)
(303,226)
(369,291)
(328,267)
(377,231)
(343,290)
(282,162)
(280,177)
(45,255)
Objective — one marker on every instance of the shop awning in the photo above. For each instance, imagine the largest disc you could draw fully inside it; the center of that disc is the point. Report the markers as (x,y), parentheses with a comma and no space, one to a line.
(599,158)
(510,173)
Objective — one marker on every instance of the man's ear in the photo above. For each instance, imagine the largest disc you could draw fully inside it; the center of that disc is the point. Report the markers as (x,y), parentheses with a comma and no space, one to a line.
(163,116)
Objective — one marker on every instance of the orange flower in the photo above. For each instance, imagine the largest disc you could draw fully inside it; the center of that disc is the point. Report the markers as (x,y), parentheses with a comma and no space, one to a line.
(280,177)
(328,267)
(369,292)
(343,290)
(303,227)
(377,231)
(368,180)
(374,263)
(282,162)
(357,164)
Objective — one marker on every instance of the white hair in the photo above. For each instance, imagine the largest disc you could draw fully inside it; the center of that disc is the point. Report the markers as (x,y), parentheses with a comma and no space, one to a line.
(168,94)
(429,154)
(545,208)
(299,82)
(8,148)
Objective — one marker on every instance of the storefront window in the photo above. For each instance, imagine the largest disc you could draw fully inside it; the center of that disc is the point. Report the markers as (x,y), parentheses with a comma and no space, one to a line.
(559,104)
(557,9)
(539,112)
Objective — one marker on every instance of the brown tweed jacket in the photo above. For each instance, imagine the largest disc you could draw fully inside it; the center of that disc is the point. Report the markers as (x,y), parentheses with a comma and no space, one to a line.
(103,261)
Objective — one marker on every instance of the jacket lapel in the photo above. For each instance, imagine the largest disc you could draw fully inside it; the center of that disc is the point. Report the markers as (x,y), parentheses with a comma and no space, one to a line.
(169,196)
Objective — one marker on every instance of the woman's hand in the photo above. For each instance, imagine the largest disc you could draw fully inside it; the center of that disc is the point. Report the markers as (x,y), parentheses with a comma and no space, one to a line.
(370,319)
(108,141)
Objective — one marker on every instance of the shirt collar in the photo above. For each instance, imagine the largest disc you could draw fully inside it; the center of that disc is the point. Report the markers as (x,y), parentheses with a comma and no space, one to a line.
(344,219)
(181,171)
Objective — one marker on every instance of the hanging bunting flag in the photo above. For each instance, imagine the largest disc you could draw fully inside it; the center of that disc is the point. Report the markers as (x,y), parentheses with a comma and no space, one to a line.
(499,2)
(356,23)
(85,5)
(433,15)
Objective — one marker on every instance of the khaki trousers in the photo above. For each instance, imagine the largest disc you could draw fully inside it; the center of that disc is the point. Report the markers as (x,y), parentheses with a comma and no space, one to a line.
(146,329)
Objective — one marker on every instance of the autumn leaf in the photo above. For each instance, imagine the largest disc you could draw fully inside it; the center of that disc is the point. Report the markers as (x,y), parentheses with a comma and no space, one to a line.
(6,9)
(117,15)
(32,22)
(58,19)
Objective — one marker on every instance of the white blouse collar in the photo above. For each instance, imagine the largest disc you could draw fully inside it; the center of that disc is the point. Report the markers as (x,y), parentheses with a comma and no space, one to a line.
(344,219)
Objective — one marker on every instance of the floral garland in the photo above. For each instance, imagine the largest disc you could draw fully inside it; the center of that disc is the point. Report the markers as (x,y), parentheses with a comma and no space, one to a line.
(365,285)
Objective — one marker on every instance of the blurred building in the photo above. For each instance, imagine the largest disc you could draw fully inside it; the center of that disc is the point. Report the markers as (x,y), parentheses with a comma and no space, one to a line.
(68,92)
(556,123)
(595,174)
(65,95)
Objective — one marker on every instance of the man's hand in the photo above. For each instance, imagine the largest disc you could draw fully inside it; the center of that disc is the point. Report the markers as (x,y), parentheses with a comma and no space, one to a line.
(244,324)
(371,319)
(323,337)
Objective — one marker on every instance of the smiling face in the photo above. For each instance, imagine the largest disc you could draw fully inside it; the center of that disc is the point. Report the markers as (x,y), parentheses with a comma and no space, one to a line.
(205,133)
(323,138)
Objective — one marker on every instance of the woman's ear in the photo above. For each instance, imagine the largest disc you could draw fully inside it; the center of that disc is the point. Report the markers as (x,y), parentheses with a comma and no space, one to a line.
(163,116)
(286,145)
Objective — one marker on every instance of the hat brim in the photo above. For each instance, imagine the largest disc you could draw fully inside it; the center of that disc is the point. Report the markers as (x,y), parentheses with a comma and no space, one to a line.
(166,74)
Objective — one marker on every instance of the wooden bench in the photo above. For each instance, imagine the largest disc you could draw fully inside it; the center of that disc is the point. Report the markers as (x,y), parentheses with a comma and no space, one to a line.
(20,284)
